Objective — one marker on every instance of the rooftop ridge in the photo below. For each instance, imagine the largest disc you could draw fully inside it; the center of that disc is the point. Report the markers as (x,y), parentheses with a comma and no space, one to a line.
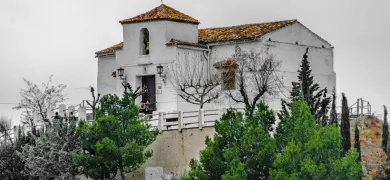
(162,12)
(249,24)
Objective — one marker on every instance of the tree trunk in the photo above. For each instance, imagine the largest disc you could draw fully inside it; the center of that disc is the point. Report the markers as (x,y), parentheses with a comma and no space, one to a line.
(93,113)
(123,175)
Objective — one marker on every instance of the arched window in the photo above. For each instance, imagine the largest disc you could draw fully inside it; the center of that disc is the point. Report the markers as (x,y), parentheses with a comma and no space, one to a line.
(144,42)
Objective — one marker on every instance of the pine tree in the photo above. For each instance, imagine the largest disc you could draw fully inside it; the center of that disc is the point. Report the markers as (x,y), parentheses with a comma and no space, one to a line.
(315,97)
(385,131)
(333,113)
(357,140)
(116,142)
(345,128)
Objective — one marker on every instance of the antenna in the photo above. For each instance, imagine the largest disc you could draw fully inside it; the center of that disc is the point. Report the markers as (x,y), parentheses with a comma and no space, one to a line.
(162,1)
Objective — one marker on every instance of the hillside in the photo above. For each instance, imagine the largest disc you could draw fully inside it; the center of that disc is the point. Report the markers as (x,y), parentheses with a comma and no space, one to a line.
(372,155)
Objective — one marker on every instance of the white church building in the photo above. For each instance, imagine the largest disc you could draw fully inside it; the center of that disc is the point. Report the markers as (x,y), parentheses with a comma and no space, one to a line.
(158,37)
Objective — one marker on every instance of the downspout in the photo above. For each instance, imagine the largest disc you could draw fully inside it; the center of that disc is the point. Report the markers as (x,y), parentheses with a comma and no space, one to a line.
(206,54)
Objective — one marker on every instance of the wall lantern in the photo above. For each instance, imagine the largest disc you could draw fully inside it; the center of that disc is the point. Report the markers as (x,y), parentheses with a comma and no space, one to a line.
(121,72)
(160,71)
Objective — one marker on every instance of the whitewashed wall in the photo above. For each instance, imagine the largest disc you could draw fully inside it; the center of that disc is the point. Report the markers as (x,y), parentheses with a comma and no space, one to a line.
(106,84)
(160,32)
(297,33)
(284,49)
(282,46)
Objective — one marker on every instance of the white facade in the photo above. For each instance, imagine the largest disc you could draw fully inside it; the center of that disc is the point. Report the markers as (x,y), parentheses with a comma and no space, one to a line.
(288,44)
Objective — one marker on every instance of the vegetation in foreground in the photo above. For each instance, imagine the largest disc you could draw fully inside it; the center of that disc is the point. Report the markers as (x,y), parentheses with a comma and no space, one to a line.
(242,148)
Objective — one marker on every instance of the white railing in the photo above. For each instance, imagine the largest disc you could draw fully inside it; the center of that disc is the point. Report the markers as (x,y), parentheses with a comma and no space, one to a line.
(179,120)
(163,121)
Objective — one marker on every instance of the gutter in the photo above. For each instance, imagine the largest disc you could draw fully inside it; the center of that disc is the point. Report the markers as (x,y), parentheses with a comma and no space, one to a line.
(105,55)
(191,47)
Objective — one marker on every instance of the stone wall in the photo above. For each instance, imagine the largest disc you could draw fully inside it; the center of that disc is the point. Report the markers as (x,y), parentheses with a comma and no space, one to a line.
(173,151)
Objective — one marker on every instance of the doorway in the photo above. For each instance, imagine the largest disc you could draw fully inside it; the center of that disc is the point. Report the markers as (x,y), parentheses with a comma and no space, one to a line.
(150,95)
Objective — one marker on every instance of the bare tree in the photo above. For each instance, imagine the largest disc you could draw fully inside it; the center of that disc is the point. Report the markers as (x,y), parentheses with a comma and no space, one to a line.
(134,93)
(39,99)
(95,101)
(192,81)
(5,128)
(255,74)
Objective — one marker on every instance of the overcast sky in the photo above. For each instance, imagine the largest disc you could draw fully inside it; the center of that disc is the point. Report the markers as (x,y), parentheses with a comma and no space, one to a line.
(59,37)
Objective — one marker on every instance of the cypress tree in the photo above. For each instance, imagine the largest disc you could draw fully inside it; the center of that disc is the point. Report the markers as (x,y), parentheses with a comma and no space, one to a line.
(357,139)
(385,131)
(345,128)
(315,97)
(385,138)
(333,113)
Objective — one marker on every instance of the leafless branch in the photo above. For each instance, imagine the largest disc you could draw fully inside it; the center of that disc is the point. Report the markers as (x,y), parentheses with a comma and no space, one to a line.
(255,74)
(134,94)
(95,101)
(39,99)
(193,79)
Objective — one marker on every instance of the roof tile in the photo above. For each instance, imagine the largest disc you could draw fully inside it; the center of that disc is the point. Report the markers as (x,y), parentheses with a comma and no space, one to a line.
(162,12)
(111,49)
(221,34)
(241,32)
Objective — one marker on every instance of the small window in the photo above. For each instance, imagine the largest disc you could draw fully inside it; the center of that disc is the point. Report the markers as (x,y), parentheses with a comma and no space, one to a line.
(144,42)
(229,79)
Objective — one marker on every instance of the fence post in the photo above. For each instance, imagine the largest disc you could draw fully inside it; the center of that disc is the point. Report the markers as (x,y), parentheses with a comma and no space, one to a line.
(82,111)
(71,110)
(201,118)
(16,137)
(160,121)
(180,120)
(23,131)
(61,110)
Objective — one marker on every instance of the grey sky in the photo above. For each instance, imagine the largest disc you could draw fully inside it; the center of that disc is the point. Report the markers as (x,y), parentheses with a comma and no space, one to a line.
(43,37)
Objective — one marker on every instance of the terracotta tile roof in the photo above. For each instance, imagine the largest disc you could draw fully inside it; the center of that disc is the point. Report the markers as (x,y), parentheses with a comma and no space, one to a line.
(221,34)
(178,42)
(238,33)
(162,12)
(111,49)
